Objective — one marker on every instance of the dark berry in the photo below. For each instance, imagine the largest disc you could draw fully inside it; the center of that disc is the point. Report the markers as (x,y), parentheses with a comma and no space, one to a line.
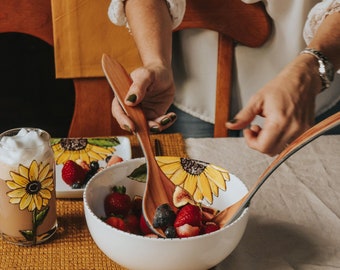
(77,185)
(107,159)
(94,166)
(88,176)
(170,232)
(164,216)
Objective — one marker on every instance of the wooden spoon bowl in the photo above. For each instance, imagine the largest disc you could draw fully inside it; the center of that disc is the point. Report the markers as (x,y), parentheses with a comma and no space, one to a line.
(159,189)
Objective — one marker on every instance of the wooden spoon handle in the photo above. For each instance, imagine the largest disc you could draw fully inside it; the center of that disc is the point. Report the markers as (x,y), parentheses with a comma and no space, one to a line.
(120,83)
(308,136)
(229,214)
(159,188)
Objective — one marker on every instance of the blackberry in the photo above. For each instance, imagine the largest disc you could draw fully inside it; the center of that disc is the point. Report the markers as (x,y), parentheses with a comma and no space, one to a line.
(77,185)
(94,166)
(164,216)
(107,159)
(170,232)
(88,176)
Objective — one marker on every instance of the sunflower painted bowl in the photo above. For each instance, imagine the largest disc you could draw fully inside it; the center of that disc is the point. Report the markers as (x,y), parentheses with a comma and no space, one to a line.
(139,252)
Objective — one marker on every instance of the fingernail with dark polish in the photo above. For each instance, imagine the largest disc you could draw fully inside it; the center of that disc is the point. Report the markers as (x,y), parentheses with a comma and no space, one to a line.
(155,129)
(165,121)
(173,117)
(132,98)
(233,121)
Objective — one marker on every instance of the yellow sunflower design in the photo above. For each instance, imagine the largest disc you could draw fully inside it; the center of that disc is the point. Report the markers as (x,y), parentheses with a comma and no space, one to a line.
(87,149)
(201,179)
(31,188)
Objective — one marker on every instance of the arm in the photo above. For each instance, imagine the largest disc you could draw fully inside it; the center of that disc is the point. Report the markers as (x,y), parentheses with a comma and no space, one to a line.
(324,35)
(287,102)
(327,39)
(151,25)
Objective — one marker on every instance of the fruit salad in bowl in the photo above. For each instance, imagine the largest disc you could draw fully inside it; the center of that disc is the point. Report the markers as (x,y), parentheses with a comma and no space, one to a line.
(112,203)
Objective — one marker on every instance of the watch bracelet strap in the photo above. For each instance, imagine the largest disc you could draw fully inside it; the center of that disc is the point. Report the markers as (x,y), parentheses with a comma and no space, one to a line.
(324,66)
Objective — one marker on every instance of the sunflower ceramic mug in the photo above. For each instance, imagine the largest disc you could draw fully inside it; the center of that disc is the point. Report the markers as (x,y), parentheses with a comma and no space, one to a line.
(27,187)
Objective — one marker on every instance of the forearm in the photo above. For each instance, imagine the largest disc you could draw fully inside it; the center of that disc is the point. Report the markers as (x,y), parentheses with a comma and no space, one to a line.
(151,26)
(327,39)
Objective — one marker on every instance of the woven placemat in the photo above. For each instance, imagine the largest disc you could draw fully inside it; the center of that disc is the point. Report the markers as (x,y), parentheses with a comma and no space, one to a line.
(72,247)
(171,145)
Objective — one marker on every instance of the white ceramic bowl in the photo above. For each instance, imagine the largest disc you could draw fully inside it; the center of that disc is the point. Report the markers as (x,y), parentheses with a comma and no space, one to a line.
(139,252)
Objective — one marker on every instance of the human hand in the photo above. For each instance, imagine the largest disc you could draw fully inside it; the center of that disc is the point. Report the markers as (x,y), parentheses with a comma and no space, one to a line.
(287,105)
(153,88)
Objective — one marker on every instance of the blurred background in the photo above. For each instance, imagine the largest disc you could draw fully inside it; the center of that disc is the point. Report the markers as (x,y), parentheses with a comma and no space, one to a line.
(30,94)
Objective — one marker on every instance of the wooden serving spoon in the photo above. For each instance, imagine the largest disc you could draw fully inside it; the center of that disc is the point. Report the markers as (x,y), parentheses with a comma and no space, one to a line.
(231,213)
(159,189)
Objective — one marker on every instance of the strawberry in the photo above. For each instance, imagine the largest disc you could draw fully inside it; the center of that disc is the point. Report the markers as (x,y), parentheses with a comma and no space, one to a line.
(117,202)
(83,164)
(132,223)
(189,214)
(187,230)
(144,227)
(136,207)
(72,173)
(188,221)
(208,213)
(116,222)
(210,227)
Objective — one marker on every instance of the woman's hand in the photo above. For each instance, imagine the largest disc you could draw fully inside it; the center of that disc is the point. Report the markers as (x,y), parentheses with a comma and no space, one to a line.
(287,105)
(152,87)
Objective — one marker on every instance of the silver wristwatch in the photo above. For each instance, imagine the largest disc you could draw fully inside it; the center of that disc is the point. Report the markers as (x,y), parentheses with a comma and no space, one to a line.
(326,69)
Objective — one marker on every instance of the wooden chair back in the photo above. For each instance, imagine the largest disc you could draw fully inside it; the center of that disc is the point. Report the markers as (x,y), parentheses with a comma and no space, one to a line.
(92,110)
(236,23)
(25,17)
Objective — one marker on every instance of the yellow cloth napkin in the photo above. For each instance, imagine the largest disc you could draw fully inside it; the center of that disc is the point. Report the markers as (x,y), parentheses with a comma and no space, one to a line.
(82,32)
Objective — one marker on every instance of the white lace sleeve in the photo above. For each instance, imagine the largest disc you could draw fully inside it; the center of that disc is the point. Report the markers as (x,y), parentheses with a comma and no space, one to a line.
(116,12)
(117,15)
(315,17)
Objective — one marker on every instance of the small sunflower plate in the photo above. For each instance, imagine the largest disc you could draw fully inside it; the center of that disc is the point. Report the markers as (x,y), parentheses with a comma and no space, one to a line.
(86,149)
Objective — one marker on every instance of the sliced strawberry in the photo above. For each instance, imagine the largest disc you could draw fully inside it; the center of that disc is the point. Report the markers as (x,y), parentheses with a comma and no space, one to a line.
(117,202)
(189,214)
(83,164)
(116,222)
(132,223)
(187,230)
(209,227)
(72,173)
(144,226)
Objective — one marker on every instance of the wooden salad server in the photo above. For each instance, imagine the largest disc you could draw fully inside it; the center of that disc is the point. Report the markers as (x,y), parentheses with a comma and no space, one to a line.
(159,188)
(232,212)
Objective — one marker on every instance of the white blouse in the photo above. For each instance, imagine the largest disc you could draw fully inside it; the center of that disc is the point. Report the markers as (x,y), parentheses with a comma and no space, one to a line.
(117,14)
(195,69)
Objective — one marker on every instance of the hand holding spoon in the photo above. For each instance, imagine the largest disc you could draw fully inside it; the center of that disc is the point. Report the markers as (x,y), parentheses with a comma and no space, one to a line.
(231,213)
(159,189)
